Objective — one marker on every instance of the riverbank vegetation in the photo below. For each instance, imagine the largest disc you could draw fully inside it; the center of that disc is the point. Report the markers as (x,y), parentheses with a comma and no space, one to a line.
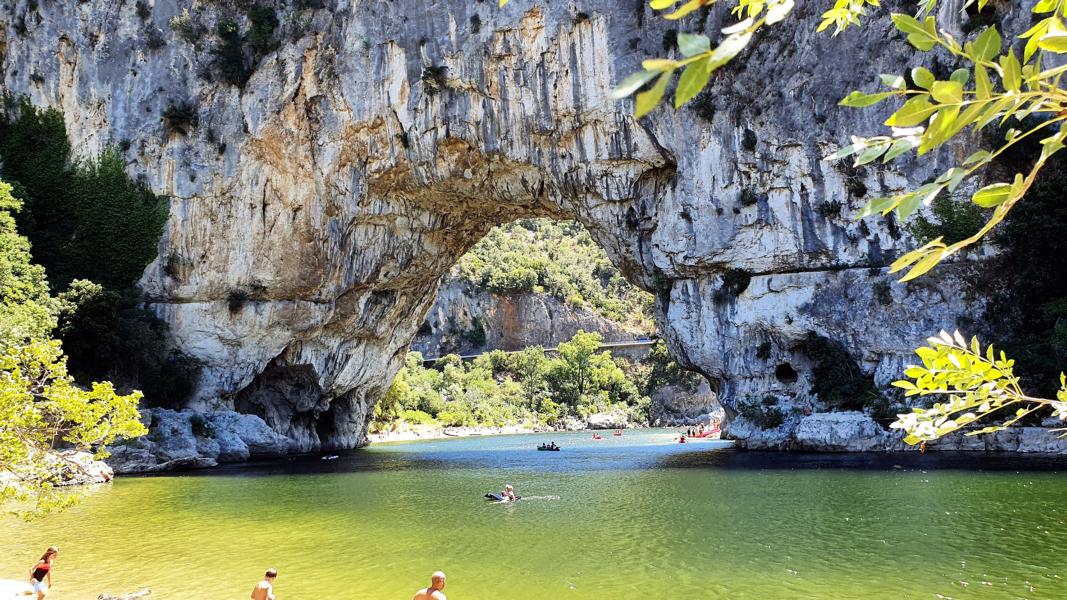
(93,230)
(41,406)
(559,258)
(528,387)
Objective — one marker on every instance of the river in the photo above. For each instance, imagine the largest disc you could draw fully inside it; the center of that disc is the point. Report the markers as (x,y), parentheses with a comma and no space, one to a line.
(636,517)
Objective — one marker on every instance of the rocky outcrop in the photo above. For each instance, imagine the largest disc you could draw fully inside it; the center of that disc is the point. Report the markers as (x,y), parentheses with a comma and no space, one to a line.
(853,431)
(689,402)
(465,319)
(315,205)
(182,440)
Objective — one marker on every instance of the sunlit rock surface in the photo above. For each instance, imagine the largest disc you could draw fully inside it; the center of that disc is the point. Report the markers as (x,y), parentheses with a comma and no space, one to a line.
(505,321)
(314,209)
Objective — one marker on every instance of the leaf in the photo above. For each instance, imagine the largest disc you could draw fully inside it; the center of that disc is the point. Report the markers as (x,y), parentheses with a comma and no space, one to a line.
(861,100)
(869,154)
(982,86)
(631,84)
(924,265)
(693,79)
(876,206)
(894,81)
(684,10)
(648,99)
(842,153)
(977,157)
(907,23)
(992,195)
(900,147)
(961,75)
(914,111)
(657,64)
(923,77)
(1011,70)
(662,4)
(779,11)
(922,41)
(1054,41)
(987,45)
(692,44)
(947,92)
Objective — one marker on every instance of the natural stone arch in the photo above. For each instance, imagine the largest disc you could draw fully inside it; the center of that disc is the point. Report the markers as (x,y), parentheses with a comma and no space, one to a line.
(323,199)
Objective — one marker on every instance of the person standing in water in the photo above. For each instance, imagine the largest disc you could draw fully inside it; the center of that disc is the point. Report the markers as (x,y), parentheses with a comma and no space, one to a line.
(264,590)
(437,583)
(41,574)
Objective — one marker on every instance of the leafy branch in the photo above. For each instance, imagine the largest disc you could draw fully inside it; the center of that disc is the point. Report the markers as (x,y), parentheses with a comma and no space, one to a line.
(936,111)
(977,385)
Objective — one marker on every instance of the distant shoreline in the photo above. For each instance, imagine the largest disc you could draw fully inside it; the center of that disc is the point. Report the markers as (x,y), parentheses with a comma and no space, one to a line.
(427,432)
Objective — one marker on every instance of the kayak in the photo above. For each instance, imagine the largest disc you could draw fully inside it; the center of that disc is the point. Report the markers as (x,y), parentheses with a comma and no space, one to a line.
(548,449)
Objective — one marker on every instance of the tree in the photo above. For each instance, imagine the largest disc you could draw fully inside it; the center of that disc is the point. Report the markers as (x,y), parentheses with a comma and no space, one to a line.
(27,311)
(42,411)
(570,375)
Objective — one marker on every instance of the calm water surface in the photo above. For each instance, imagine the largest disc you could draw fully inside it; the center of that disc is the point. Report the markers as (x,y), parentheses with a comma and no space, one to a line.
(636,517)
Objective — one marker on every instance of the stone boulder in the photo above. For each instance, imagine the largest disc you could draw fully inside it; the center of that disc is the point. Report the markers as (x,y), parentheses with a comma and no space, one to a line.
(187,439)
(78,468)
(680,405)
(849,431)
(607,420)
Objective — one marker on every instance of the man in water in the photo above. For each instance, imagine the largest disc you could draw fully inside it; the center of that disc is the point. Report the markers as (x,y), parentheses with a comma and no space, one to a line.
(437,583)
(264,590)
(509,494)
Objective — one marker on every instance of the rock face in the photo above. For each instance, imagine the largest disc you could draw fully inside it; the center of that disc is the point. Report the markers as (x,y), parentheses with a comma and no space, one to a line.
(193,440)
(856,432)
(467,320)
(315,207)
(691,404)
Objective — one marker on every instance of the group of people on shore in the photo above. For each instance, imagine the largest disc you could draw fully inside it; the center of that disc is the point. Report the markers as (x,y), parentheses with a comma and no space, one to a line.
(41,578)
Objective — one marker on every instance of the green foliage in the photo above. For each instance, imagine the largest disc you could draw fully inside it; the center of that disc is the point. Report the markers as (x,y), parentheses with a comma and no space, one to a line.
(829,210)
(952,222)
(476,334)
(261,31)
(500,389)
(973,384)
(27,312)
(89,223)
(180,118)
(40,409)
(883,292)
(230,62)
(558,258)
(837,379)
(764,414)
(186,27)
(734,283)
(434,80)
(86,219)
(107,335)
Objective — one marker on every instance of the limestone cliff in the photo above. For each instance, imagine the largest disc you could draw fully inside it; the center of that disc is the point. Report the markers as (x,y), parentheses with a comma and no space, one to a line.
(466,319)
(316,204)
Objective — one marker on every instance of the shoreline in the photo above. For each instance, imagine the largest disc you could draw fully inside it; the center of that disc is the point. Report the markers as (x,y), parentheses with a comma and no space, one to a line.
(430,432)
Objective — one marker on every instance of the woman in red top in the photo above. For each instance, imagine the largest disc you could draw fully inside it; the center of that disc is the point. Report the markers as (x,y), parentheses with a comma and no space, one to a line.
(42,571)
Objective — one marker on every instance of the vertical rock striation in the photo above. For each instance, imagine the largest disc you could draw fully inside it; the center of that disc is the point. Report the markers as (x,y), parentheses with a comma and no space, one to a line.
(314,208)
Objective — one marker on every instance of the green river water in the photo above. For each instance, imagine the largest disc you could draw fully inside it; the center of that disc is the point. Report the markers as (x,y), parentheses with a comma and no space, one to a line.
(636,517)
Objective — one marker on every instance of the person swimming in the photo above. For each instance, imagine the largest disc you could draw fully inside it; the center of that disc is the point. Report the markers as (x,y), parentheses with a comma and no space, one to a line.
(508,495)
